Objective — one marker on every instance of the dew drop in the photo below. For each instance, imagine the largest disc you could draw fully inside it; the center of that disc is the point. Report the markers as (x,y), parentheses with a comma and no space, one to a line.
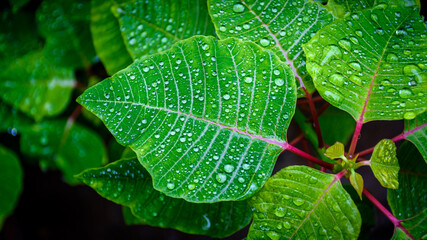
(170,186)
(228,168)
(298,202)
(356,66)
(336,97)
(337,79)
(359,33)
(226,96)
(191,186)
(392,58)
(329,52)
(238,8)
(247,79)
(276,72)
(409,115)
(345,44)
(287,225)
(222,29)
(374,17)
(405,93)
(279,82)
(246,26)
(221,178)
(264,42)
(280,212)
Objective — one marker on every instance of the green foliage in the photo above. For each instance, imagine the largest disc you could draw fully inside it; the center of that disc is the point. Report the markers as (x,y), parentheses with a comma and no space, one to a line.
(360,64)
(126,182)
(304,203)
(384,164)
(203,120)
(193,121)
(287,26)
(409,201)
(11,179)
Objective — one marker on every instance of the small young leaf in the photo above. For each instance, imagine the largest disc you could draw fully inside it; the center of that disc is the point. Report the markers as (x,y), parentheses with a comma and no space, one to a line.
(409,201)
(279,30)
(298,198)
(107,38)
(126,182)
(335,151)
(361,64)
(145,31)
(416,131)
(205,112)
(384,164)
(356,181)
(36,86)
(11,179)
(71,150)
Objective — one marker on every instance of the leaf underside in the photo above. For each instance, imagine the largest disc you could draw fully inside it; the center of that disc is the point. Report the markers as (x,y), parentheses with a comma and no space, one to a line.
(418,135)
(207,118)
(150,27)
(409,202)
(126,182)
(299,202)
(372,63)
(282,26)
(384,164)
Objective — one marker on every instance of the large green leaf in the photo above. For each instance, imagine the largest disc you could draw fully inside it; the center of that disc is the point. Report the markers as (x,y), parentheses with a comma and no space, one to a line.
(18,36)
(303,203)
(384,164)
(11,179)
(65,24)
(280,25)
(107,38)
(126,182)
(342,7)
(372,63)
(416,132)
(72,149)
(153,26)
(336,126)
(36,86)
(409,202)
(207,118)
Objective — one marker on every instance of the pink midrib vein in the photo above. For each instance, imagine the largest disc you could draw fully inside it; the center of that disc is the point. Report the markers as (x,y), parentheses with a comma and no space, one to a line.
(282,145)
(291,64)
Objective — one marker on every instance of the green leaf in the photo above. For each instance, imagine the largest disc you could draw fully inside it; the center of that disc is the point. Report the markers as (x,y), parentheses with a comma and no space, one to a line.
(384,164)
(126,182)
(416,132)
(18,36)
(12,120)
(107,38)
(36,86)
(356,181)
(299,202)
(145,31)
(399,234)
(409,201)
(282,26)
(340,8)
(335,151)
(11,179)
(371,64)
(65,24)
(72,149)
(208,113)
(129,218)
(336,126)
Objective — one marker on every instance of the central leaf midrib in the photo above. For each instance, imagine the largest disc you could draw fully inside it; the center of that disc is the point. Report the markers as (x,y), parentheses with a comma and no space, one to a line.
(234,129)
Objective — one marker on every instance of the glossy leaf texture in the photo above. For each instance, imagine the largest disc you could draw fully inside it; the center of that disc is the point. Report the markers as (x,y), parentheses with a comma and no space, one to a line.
(416,132)
(282,26)
(342,7)
(207,118)
(384,164)
(299,202)
(152,26)
(409,202)
(72,149)
(105,30)
(35,86)
(371,64)
(126,182)
(65,25)
(11,179)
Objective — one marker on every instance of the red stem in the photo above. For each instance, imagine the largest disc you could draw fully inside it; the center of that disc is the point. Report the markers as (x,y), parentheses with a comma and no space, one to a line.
(305,101)
(397,223)
(297,139)
(395,139)
(309,157)
(315,118)
(355,137)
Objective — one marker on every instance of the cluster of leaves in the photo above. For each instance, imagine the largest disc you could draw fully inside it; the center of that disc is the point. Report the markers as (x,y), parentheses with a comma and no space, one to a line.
(202,94)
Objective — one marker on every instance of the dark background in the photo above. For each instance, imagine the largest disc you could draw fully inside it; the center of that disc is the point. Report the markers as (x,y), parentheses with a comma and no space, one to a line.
(51,209)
